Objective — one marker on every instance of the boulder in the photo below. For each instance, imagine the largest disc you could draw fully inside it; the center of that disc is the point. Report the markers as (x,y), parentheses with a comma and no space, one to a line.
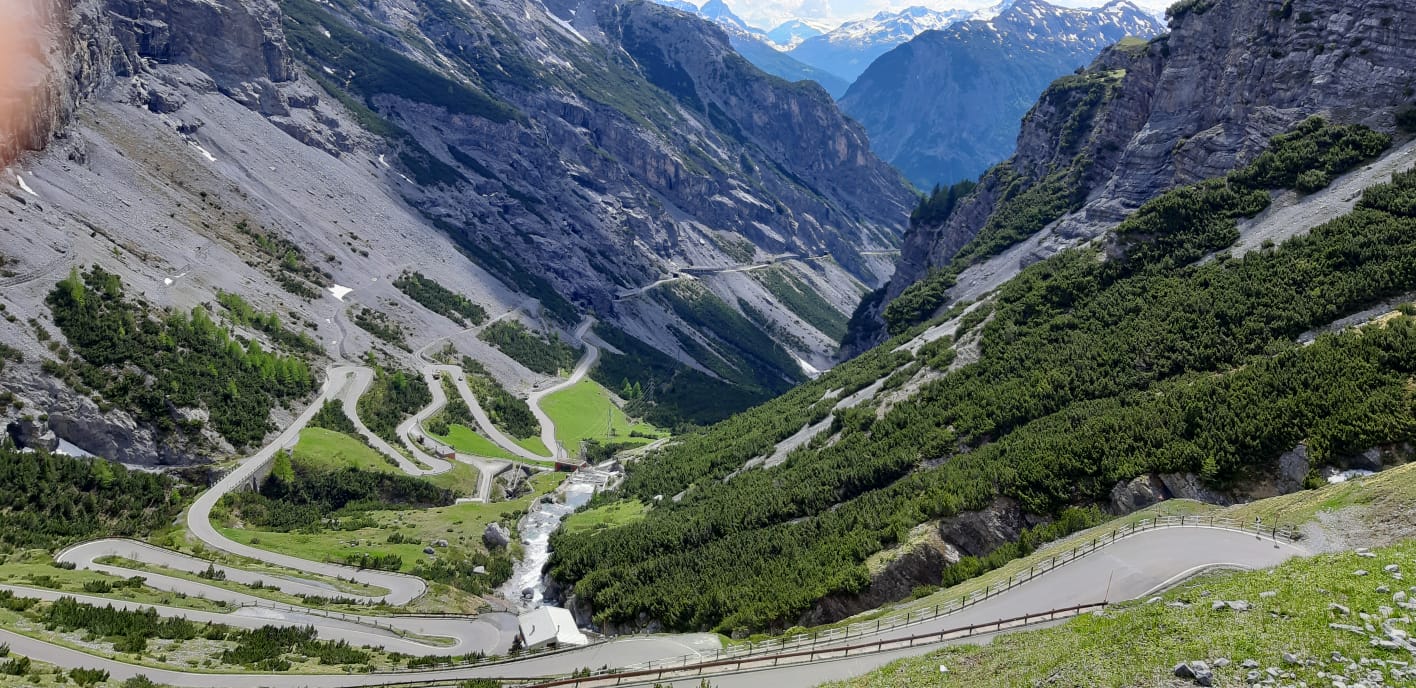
(31,433)
(1189,486)
(1196,671)
(1204,676)
(1293,469)
(1136,494)
(496,535)
(1370,460)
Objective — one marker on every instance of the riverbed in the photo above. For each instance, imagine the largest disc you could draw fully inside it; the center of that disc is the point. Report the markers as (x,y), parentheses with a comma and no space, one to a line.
(536,527)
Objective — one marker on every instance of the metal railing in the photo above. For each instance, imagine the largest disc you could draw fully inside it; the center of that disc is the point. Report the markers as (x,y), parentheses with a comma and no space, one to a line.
(615,677)
(832,642)
(911,617)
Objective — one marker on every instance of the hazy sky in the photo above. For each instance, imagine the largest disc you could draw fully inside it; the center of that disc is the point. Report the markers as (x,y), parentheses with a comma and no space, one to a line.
(770,13)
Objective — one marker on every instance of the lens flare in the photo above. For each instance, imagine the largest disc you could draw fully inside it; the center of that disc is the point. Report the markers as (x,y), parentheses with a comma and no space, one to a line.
(22,71)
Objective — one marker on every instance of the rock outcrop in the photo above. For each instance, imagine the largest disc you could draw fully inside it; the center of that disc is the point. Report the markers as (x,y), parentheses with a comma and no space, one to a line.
(561,159)
(921,563)
(932,548)
(1187,106)
(946,105)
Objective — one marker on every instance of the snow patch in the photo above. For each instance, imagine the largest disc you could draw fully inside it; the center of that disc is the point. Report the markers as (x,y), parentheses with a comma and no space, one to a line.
(25,187)
(205,153)
(566,25)
(339,291)
(807,368)
(68,448)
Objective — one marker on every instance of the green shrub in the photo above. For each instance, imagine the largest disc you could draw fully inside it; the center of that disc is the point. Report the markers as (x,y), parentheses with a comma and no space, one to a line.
(440,299)
(538,352)
(1092,372)
(149,362)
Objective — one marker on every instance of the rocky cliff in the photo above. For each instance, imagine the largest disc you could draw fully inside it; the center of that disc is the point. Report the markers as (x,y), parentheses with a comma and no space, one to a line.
(946,105)
(1187,105)
(590,157)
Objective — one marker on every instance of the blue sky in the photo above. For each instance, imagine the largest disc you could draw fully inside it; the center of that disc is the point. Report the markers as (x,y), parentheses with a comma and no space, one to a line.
(769,13)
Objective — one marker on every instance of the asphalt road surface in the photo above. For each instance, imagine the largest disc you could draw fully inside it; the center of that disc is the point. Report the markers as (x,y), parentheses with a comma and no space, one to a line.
(1132,567)
(1129,568)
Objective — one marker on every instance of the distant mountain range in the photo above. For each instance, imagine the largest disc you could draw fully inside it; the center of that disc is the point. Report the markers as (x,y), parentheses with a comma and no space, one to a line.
(948,104)
(762,49)
(791,34)
(849,49)
(940,92)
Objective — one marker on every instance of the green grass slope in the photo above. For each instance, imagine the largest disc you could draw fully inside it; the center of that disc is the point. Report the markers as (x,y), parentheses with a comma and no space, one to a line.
(1095,367)
(1295,607)
(584,411)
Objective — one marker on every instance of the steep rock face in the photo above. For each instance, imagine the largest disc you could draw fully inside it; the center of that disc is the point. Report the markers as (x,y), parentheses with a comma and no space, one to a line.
(771,60)
(945,106)
(667,154)
(559,161)
(229,41)
(799,126)
(55,55)
(1189,105)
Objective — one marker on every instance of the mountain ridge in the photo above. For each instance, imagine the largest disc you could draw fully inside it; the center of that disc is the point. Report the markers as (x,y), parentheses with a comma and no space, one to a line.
(1159,124)
(552,162)
(848,50)
(936,106)
(1156,357)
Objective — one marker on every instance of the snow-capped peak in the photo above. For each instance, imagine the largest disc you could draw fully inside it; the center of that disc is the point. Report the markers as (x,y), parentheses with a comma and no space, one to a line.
(790,34)
(894,28)
(991,13)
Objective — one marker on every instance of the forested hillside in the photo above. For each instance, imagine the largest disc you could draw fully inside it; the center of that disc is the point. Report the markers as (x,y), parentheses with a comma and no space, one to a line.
(1147,116)
(1096,366)
(155,363)
(48,500)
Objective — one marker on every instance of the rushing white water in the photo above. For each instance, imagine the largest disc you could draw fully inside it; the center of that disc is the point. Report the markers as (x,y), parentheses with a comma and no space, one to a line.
(1348,475)
(536,528)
